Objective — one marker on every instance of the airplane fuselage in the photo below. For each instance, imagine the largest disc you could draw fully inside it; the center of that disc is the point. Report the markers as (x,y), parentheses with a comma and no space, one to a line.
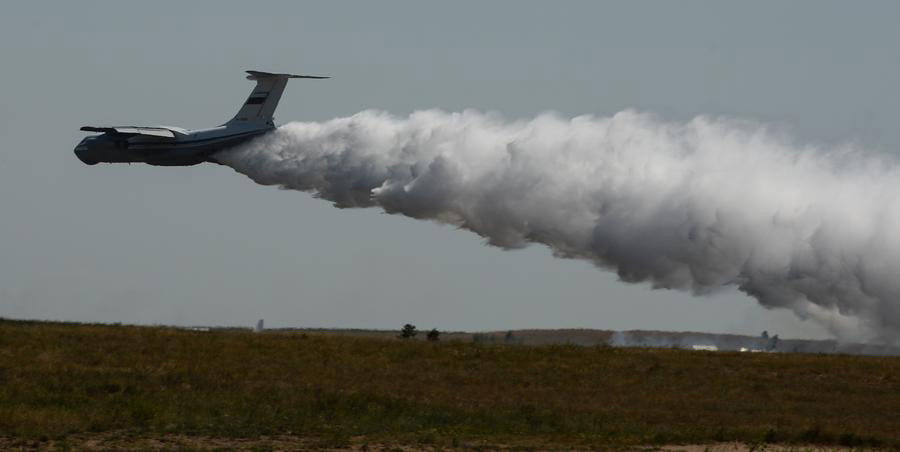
(183,149)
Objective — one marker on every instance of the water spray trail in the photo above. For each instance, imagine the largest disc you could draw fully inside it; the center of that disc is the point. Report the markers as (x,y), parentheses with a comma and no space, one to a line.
(698,206)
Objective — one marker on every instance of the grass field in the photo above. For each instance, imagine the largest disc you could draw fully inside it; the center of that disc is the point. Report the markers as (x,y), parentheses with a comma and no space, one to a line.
(60,381)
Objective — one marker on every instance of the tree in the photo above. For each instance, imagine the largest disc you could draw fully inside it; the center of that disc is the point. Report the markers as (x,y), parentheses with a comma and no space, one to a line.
(773,342)
(408,331)
(434,335)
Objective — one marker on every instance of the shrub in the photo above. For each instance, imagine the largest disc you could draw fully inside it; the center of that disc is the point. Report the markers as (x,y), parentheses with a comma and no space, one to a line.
(408,331)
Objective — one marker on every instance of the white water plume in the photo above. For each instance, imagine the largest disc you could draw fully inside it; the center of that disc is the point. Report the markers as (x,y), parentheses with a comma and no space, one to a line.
(698,206)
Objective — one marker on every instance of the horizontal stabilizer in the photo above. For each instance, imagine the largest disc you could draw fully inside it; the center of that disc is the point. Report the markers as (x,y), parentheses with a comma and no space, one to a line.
(150,131)
(256,75)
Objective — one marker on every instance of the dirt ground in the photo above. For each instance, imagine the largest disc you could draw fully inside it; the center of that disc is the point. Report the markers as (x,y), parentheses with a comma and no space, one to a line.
(126,441)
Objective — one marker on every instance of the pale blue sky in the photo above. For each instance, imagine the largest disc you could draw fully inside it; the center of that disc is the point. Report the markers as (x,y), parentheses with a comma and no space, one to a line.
(204,245)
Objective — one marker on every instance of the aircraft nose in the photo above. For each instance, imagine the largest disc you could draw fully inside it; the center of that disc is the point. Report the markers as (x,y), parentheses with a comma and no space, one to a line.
(86,155)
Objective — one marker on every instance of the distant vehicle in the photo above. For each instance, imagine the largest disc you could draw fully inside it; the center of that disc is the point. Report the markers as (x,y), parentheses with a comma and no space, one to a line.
(174,146)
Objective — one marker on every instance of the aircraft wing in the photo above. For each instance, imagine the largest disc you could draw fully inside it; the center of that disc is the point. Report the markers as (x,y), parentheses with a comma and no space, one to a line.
(128,130)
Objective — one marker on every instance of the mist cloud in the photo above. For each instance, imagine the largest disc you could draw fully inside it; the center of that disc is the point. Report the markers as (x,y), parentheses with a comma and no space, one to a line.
(698,206)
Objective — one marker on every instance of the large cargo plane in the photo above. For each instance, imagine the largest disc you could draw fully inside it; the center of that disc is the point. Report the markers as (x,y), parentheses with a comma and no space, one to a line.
(174,146)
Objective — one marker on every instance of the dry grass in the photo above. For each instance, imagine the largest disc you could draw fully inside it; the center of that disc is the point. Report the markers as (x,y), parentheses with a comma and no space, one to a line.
(59,380)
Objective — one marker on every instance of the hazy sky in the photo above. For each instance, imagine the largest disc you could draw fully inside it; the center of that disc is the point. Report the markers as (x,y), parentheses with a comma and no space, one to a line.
(205,245)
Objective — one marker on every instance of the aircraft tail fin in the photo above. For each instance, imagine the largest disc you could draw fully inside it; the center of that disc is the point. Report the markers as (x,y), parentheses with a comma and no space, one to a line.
(260,106)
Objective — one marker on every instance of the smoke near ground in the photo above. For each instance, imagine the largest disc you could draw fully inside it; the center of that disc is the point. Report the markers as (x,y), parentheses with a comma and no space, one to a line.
(698,206)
